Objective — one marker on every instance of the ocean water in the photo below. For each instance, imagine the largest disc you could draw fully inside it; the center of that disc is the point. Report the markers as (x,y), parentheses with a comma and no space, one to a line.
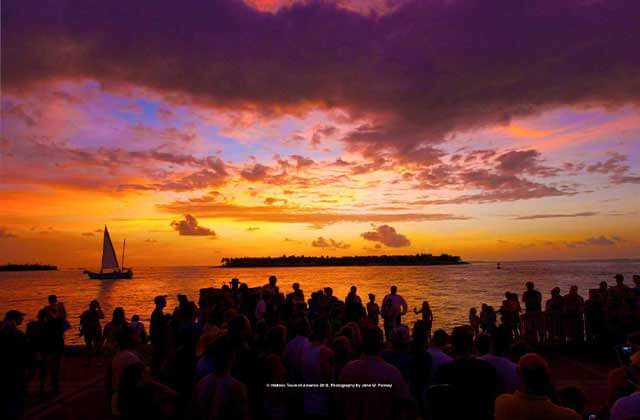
(451,290)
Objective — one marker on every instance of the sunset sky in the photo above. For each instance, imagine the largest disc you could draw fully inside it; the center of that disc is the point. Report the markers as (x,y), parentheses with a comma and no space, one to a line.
(493,130)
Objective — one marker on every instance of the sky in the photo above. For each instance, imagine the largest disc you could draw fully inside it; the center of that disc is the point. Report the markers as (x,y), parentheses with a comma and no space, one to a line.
(493,130)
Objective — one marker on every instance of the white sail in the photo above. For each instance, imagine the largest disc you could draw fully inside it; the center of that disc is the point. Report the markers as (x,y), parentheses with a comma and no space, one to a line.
(109,260)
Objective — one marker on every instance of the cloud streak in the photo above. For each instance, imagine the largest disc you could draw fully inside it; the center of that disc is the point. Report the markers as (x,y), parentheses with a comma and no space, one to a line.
(556,215)
(321,242)
(290,214)
(6,234)
(596,241)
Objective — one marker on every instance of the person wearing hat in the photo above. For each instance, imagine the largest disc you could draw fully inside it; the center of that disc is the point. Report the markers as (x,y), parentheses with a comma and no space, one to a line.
(158,333)
(629,407)
(621,290)
(532,401)
(15,362)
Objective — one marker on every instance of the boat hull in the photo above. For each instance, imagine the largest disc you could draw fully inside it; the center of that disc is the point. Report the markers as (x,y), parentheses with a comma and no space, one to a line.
(112,275)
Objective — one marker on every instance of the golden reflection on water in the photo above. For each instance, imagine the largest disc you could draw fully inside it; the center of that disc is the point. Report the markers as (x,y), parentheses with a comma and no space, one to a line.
(451,290)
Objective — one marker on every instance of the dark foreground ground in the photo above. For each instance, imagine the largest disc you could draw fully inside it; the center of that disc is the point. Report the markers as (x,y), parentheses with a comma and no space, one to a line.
(83,392)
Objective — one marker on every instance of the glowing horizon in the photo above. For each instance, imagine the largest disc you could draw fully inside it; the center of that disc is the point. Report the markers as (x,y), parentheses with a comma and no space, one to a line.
(276,133)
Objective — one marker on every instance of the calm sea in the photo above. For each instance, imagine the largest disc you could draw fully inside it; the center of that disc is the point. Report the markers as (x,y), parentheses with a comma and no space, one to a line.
(451,290)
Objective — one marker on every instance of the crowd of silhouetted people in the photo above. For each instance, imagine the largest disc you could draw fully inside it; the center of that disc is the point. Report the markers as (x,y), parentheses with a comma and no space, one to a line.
(260,353)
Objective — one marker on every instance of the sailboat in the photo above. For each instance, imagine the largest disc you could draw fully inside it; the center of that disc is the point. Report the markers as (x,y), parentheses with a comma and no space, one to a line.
(110,269)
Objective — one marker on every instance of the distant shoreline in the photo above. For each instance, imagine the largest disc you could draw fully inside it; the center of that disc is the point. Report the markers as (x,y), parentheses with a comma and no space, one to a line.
(28,267)
(350,261)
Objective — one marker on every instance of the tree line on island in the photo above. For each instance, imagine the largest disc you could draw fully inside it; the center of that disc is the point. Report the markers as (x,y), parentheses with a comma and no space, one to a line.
(28,267)
(302,261)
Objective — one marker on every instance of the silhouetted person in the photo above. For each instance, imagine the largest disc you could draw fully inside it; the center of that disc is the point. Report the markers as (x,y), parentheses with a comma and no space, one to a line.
(510,313)
(342,354)
(294,298)
(354,308)
(90,328)
(57,310)
(436,350)
(43,343)
(574,316)
(142,398)
(420,377)
(399,355)
(389,315)
(628,407)
(398,303)
(57,324)
(275,403)
(272,286)
(15,363)
(158,333)
(487,319)
(295,348)
(427,317)
(220,395)
(246,360)
(533,317)
(594,318)
(473,381)
(113,330)
(373,310)
(139,332)
(186,313)
(555,316)
(317,368)
(506,370)
(352,296)
(618,384)
(125,357)
(532,402)
(474,321)
(374,403)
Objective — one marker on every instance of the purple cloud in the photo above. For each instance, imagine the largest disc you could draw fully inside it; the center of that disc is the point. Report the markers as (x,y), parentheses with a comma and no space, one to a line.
(407,78)
(257,172)
(189,227)
(556,216)
(388,236)
(616,168)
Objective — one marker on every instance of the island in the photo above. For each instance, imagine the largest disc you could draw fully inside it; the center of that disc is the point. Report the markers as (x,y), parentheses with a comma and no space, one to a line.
(28,267)
(329,261)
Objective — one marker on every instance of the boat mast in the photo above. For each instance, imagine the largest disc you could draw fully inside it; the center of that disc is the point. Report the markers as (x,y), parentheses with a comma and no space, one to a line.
(123,242)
